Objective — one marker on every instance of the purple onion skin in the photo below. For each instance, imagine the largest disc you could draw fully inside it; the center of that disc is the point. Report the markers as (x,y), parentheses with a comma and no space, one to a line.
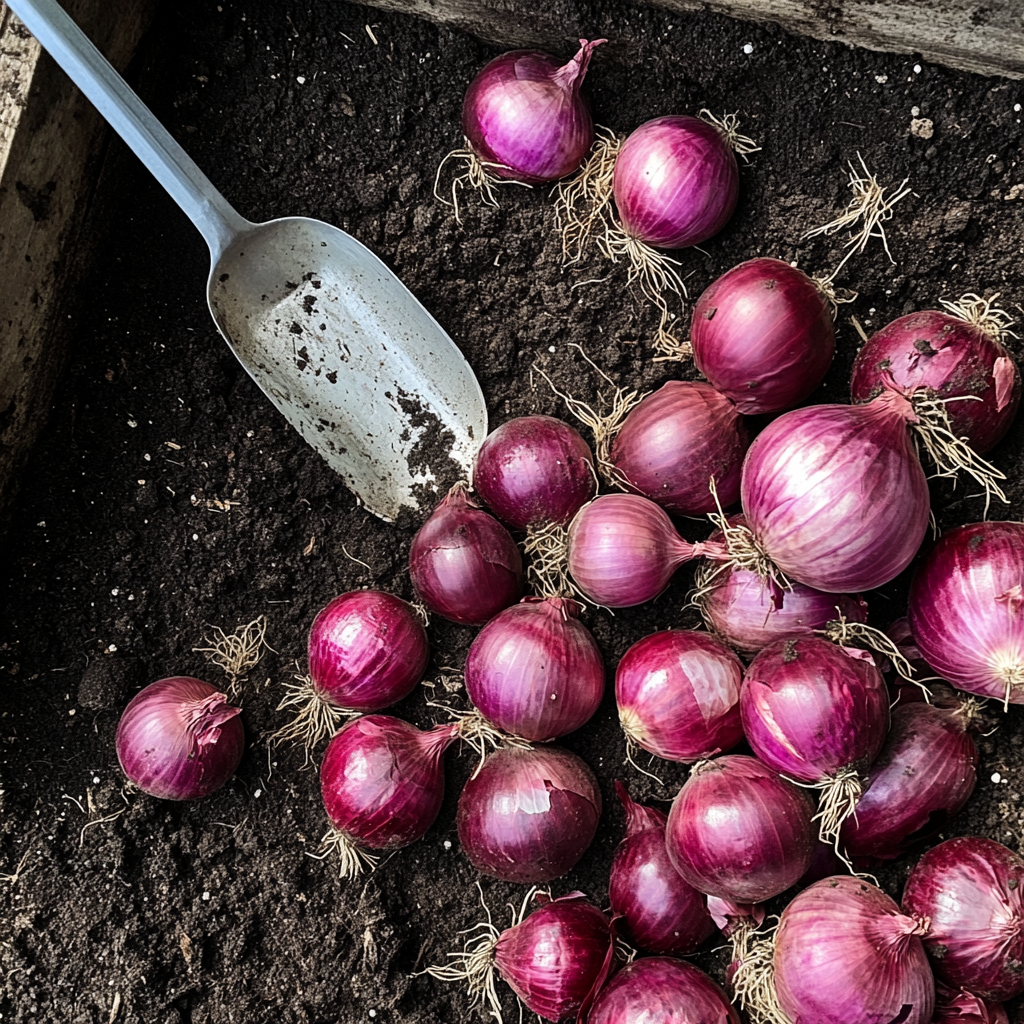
(675,441)
(923,776)
(662,990)
(382,780)
(535,670)
(658,910)
(738,831)
(678,695)
(966,610)
(810,707)
(525,118)
(552,959)
(464,564)
(836,494)
(534,470)
(951,357)
(970,889)
(180,739)
(844,954)
(958,1006)
(762,334)
(676,182)
(529,815)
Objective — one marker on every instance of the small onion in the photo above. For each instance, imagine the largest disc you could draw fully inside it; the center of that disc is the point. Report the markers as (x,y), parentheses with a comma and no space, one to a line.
(180,739)
(678,695)
(382,783)
(738,831)
(535,671)
(922,777)
(464,564)
(967,609)
(970,890)
(762,334)
(844,954)
(529,815)
(662,990)
(958,1006)
(661,912)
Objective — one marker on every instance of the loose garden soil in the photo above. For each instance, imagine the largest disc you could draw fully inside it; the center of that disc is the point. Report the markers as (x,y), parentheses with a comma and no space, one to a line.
(168,496)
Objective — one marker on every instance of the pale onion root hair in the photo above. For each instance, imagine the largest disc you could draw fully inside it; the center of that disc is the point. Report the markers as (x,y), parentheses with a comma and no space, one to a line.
(317,719)
(236,654)
(983,314)
(476,176)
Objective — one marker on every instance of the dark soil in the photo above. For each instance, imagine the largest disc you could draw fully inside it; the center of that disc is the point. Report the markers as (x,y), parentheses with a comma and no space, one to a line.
(127,908)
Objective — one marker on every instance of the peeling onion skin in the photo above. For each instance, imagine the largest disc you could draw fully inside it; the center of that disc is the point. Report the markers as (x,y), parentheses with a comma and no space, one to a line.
(844,954)
(662,990)
(660,911)
(529,815)
(676,182)
(464,564)
(535,670)
(951,357)
(962,1007)
(534,470)
(382,780)
(762,334)
(970,889)
(675,441)
(966,609)
(180,739)
(678,695)
(836,494)
(738,831)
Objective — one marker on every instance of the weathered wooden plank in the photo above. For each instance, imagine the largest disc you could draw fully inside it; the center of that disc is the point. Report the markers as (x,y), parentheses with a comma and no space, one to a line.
(983,36)
(50,142)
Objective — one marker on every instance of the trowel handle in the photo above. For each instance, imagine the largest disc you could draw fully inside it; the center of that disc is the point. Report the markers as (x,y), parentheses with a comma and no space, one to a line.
(132,120)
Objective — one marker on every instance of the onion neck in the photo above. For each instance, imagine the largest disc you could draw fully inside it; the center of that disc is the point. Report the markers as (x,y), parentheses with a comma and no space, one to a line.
(571,75)
(203,719)
(639,817)
(893,932)
(436,741)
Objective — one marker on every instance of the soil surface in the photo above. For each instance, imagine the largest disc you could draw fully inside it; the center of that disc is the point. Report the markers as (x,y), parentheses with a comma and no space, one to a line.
(168,496)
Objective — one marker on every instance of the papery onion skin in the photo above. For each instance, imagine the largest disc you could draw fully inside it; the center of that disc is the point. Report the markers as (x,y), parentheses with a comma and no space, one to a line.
(966,609)
(662,990)
(180,739)
(953,358)
(835,494)
(525,118)
(675,441)
(660,911)
(535,670)
(552,958)
(464,564)
(844,954)
(954,1006)
(534,470)
(923,776)
(970,889)
(382,780)
(762,334)
(678,695)
(738,831)
(676,182)
(811,708)
(529,815)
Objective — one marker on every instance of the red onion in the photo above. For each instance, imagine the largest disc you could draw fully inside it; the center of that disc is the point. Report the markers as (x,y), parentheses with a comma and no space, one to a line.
(674,441)
(382,783)
(845,955)
(952,357)
(529,815)
(967,609)
(738,831)
(970,889)
(180,739)
(535,671)
(623,550)
(762,334)
(923,776)
(818,713)
(958,1006)
(662,913)
(678,695)
(464,564)
(661,990)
